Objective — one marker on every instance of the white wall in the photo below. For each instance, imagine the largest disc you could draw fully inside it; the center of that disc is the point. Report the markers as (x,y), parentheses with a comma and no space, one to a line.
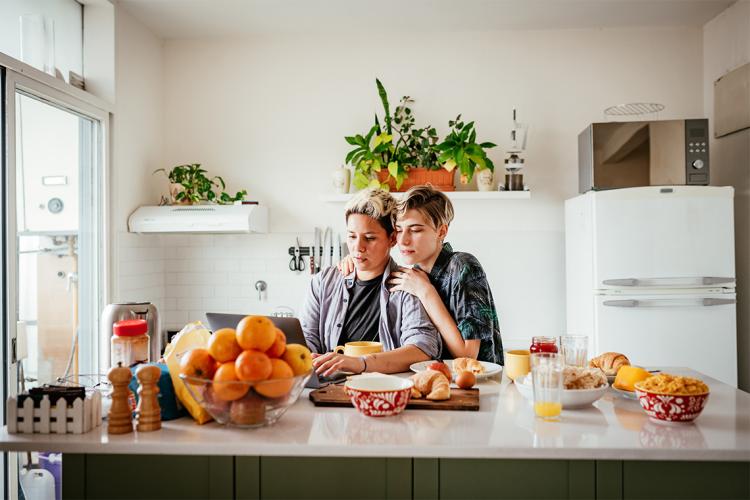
(137,144)
(270,114)
(726,46)
(68,30)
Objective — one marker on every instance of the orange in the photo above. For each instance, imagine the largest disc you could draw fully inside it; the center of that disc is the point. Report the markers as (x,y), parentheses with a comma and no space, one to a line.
(279,345)
(223,346)
(226,385)
(281,381)
(253,366)
(256,332)
(198,363)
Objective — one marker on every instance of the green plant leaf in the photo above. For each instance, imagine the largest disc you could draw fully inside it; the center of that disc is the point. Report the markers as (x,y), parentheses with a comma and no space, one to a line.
(352,140)
(384,99)
(374,183)
(360,180)
(393,169)
(488,145)
(449,165)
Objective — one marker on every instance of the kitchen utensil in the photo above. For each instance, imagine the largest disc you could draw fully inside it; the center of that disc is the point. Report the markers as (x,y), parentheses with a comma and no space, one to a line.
(571,398)
(461,399)
(297,263)
(359,348)
(547,378)
(327,257)
(318,242)
(129,310)
(517,363)
(379,395)
(490,369)
(149,412)
(252,409)
(670,407)
(120,415)
(574,349)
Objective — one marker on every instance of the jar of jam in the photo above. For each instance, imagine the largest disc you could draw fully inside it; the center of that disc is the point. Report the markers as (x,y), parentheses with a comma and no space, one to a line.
(543,344)
(129,344)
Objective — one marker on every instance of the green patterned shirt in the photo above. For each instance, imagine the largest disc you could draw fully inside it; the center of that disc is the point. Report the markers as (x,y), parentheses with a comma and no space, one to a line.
(460,281)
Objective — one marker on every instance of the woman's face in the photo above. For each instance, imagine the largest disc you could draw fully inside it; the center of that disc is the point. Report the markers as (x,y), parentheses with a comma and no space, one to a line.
(369,245)
(418,240)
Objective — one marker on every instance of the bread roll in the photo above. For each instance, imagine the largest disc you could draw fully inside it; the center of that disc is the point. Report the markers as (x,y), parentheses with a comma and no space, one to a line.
(467,365)
(609,362)
(431,385)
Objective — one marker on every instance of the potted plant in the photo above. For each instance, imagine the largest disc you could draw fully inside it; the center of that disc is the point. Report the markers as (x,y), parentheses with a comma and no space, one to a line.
(375,150)
(189,185)
(460,149)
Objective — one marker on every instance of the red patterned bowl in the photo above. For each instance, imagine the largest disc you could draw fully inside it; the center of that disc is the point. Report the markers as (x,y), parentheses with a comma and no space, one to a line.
(671,407)
(379,395)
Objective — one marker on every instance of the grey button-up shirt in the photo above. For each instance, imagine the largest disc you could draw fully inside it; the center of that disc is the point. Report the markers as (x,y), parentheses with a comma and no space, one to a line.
(403,320)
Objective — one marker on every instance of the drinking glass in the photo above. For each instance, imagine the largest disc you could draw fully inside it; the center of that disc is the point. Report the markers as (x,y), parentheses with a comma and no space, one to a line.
(574,349)
(547,377)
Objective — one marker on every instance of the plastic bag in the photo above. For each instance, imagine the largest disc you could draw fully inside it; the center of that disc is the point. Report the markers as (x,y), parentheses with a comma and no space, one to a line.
(193,335)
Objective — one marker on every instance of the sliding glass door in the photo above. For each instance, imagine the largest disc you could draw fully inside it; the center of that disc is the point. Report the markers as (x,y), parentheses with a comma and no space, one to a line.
(54,249)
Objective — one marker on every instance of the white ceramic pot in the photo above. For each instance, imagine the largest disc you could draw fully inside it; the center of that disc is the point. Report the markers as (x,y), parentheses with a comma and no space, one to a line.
(485,179)
(340,180)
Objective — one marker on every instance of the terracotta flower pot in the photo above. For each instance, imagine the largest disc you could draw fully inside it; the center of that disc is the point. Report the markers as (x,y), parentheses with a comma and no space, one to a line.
(442,180)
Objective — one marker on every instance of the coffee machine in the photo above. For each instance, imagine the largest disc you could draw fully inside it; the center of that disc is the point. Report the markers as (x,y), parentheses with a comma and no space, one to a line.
(129,310)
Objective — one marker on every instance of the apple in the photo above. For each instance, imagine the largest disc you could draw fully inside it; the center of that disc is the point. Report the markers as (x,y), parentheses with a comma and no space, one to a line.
(441,367)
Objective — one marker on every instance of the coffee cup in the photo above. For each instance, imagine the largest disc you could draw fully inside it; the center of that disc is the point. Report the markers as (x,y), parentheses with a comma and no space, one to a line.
(517,363)
(359,348)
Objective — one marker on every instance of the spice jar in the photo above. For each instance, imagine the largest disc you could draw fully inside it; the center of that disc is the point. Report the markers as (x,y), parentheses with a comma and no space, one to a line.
(129,344)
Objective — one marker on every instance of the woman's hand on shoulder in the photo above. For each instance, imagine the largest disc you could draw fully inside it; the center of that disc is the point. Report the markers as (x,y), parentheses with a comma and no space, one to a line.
(410,280)
(346,265)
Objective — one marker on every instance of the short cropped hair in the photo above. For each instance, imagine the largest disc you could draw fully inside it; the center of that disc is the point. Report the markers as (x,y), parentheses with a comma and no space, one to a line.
(434,205)
(375,203)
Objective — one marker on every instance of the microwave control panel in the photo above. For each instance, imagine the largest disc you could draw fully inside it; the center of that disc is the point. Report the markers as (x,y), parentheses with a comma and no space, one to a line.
(696,152)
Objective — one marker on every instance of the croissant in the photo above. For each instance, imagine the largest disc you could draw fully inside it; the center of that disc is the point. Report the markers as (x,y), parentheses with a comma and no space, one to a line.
(467,365)
(432,385)
(609,362)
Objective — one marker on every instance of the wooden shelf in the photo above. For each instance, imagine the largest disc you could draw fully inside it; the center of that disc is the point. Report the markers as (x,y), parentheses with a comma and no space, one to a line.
(453,195)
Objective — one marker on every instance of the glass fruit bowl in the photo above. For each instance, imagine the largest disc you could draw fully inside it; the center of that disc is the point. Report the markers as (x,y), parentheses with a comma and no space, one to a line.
(246,404)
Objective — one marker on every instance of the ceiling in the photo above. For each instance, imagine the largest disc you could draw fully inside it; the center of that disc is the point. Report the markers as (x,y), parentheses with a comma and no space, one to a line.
(190,19)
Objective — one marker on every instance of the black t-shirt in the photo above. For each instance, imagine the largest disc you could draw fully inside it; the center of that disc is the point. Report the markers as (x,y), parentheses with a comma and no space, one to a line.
(363,314)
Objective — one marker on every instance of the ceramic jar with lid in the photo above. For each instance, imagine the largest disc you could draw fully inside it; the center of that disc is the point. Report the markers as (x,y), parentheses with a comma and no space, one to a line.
(129,342)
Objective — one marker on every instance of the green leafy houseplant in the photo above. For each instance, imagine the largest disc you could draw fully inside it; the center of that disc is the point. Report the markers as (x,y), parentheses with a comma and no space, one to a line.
(376,150)
(460,149)
(194,187)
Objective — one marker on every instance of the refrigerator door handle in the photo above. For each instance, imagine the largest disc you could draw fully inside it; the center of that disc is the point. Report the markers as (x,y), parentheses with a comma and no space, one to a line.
(703,302)
(669,282)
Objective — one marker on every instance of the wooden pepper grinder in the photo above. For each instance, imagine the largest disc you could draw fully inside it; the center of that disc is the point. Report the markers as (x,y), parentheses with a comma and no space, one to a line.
(120,415)
(149,411)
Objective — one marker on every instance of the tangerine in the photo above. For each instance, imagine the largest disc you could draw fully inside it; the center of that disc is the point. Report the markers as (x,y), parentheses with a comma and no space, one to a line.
(253,366)
(256,332)
(223,346)
(279,345)
(281,380)
(227,386)
(198,363)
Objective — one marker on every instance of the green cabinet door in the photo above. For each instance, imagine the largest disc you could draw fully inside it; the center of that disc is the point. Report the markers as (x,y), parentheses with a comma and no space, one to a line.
(333,478)
(686,480)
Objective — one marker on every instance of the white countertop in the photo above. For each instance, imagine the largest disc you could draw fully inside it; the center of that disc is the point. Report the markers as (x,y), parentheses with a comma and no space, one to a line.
(505,427)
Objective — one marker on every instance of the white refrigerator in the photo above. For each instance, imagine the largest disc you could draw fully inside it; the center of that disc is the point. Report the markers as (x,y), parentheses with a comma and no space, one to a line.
(650,274)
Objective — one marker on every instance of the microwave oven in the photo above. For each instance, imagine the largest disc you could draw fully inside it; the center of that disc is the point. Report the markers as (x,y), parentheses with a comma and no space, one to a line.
(645,153)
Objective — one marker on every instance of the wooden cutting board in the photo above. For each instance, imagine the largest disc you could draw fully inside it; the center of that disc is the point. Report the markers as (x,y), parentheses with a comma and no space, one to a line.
(461,399)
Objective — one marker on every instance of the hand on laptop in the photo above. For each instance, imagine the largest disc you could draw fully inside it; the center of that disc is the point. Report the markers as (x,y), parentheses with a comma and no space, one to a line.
(329,363)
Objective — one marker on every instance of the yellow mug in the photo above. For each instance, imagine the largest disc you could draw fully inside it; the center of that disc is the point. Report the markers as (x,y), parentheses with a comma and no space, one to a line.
(359,348)
(517,363)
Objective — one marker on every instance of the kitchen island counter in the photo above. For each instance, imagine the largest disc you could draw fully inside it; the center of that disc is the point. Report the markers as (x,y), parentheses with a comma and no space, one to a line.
(614,428)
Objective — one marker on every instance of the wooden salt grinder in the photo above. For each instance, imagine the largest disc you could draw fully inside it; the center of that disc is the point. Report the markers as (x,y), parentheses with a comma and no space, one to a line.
(120,415)
(149,411)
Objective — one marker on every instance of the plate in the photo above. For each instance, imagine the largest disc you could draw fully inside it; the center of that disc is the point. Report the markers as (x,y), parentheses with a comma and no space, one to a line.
(571,398)
(490,369)
(625,394)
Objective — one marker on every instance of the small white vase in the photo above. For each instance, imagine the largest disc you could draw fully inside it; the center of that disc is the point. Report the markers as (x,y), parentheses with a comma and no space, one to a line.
(340,180)
(485,179)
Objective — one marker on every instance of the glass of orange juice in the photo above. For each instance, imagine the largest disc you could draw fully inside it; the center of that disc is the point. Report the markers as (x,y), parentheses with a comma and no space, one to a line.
(547,377)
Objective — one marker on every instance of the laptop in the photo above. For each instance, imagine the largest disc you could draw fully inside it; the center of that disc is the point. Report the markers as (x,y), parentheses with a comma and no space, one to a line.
(292,330)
